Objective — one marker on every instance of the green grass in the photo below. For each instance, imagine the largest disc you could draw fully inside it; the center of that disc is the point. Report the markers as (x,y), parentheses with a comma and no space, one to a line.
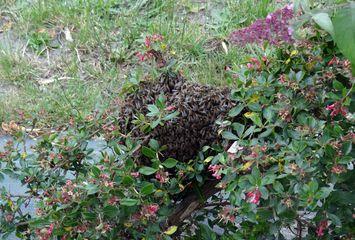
(88,72)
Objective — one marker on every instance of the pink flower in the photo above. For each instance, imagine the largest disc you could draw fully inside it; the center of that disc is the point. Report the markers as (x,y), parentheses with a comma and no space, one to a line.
(153,208)
(109,184)
(140,56)
(45,233)
(338,169)
(253,196)
(170,108)
(227,214)
(157,38)
(162,177)
(254,154)
(135,174)
(147,42)
(150,210)
(250,66)
(107,227)
(104,176)
(336,108)
(113,200)
(321,227)
(283,79)
(50,229)
(263,148)
(81,228)
(9,218)
(215,171)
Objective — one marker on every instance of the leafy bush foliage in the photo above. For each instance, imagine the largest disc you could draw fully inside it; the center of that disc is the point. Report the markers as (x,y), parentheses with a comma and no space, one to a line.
(285,166)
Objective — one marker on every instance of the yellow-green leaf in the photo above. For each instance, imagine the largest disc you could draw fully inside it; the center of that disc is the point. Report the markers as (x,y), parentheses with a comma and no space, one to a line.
(247,165)
(171,230)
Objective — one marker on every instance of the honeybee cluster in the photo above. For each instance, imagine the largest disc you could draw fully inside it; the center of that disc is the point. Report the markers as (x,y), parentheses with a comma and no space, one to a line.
(199,107)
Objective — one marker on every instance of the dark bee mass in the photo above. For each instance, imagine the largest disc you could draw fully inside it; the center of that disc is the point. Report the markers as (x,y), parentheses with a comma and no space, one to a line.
(199,106)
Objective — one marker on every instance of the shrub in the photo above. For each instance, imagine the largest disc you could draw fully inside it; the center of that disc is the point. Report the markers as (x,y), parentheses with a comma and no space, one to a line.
(284,167)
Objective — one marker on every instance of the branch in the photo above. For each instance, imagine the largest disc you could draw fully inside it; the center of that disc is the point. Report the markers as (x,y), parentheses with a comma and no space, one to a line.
(192,203)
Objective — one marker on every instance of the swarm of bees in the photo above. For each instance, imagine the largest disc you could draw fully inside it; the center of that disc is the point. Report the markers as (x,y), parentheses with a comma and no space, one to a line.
(199,107)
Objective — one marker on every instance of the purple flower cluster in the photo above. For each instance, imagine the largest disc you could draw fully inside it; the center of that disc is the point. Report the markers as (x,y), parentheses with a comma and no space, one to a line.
(275,29)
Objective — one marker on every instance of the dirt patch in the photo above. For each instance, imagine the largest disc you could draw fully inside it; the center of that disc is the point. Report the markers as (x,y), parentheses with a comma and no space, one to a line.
(7,90)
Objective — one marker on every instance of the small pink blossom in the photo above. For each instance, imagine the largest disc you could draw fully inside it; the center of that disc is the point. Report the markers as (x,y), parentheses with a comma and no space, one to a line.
(253,196)
(113,200)
(107,227)
(45,233)
(336,109)
(321,227)
(140,56)
(104,176)
(283,79)
(227,214)
(81,228)
(147,42)
(170,108)
(162,177)
(338,169)
(109,184)
(215,171)
(263,148)
(157,38)
(135,174)
(9,218)
(150,210)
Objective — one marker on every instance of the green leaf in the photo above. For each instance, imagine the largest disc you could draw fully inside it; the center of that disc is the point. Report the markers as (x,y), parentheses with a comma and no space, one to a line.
(127,180)
(264,192)
(155,123)
(171,230)
(95,171)
(268,113)
(129,202)
(278,187)
(148,152)
(268,179)
(255,117)
(89,215)
(147,170)
(266,133)
(148,189)
(153,110)
(110,211)
(171,116)
(239,128)
(347,147)
(338,85)
(324,21)
(170,163)
(344,32)
(154,144)
(249,131)
(92,189)
(324,192)
(235,111)
(313,186)
(229,136)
